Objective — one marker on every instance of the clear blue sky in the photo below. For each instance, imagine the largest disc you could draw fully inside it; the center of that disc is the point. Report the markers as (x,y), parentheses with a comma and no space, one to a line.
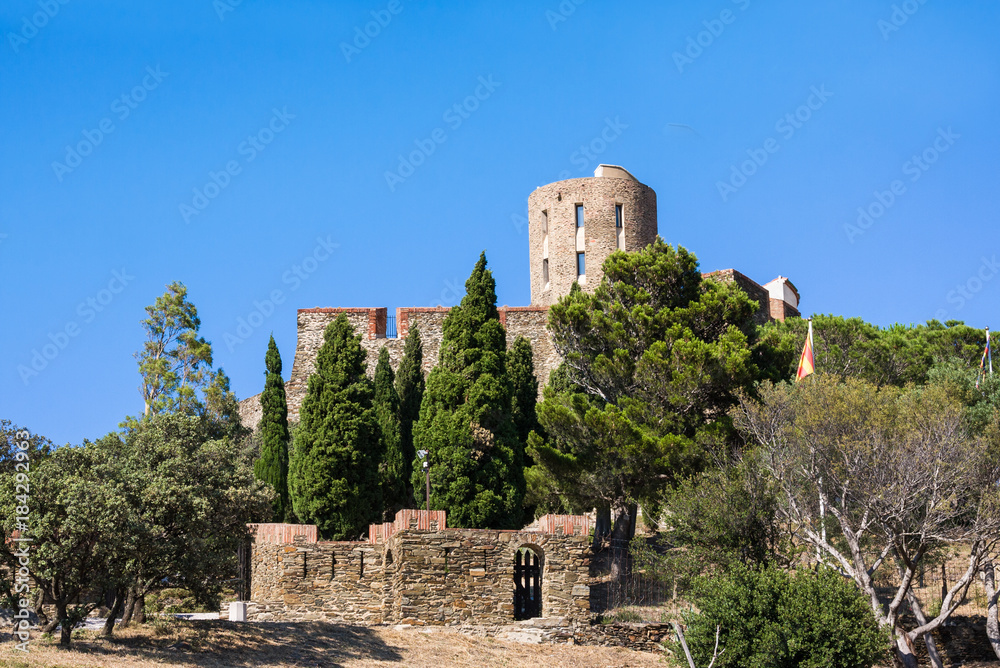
(328,121)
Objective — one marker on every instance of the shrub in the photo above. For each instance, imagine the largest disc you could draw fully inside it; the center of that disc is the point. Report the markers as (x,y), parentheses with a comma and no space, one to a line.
(770,618)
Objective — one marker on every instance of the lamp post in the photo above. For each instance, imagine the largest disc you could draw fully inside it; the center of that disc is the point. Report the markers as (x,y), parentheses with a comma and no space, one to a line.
(427,475)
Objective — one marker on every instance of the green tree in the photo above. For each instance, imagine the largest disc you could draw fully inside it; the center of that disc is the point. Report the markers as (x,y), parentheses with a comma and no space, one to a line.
(186,500)
(410,388)
(476,460)
(272,465)
(524,388)
(393,471)
(174,360)
(918,481)
(333,474)
(770,618)
(852,348)
(653,359)
(722,517)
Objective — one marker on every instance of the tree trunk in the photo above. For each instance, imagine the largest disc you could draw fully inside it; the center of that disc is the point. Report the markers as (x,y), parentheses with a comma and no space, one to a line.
(139,614)
(109,625)
(904,650)
(624,530)
(989,582)
(932,652)
(66,634)
(602,526)
(129,607)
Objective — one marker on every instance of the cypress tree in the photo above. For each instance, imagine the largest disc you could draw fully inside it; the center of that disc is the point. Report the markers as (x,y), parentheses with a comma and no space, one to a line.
(334,478)
(524,388)
(410,388)
(392,470)
(476,460)
(272,465)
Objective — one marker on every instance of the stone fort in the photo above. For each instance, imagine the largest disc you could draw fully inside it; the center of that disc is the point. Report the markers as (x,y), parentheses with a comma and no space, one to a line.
(416,570)
(573,226)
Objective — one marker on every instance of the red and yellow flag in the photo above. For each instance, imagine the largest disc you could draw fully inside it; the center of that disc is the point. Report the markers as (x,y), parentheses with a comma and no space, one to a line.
(806,366)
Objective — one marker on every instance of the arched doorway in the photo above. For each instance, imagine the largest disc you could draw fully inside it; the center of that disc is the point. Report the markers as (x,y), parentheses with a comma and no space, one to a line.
(527,582)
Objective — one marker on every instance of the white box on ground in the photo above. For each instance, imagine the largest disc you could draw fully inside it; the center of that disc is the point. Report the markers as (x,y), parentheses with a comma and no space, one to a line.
(238,611)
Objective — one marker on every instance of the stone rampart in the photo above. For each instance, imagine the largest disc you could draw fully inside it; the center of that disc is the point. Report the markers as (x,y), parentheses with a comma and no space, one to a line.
(420,576)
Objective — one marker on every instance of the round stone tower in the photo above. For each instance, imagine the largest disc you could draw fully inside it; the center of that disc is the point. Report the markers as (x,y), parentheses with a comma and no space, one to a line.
(574,225)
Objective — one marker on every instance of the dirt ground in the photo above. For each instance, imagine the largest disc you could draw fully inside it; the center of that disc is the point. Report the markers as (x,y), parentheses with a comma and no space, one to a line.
(211,644)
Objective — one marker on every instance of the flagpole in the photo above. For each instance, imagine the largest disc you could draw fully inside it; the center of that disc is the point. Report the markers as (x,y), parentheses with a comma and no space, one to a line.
(989,351)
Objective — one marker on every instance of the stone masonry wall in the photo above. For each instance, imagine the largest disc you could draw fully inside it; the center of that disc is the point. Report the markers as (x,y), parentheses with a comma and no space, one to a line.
(303,581)
(467,576)
(552,216)
(527,321)
(421,576)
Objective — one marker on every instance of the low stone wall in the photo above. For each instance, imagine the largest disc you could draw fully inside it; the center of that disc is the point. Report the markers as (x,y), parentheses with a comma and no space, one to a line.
(419,576)
(329,581)
(461,575)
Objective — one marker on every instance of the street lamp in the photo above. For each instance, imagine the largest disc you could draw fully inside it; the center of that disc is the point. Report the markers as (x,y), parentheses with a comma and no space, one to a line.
(427,474)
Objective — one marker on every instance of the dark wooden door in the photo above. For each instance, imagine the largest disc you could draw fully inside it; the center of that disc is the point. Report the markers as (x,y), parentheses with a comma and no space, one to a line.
(527,585)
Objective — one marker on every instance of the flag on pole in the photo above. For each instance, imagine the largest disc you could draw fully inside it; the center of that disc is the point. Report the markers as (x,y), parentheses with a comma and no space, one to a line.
(806,366)
(987,356)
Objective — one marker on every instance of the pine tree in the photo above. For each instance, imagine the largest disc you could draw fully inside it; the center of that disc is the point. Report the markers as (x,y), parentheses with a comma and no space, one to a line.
(393,469)
(524,388)
(410,388)
(476,460)
(272,465)
(333,475)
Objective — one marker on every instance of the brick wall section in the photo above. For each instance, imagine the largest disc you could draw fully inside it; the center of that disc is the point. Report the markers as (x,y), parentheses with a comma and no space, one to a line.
(749,286)
(599,195)
(420,576)
(780,309)
(280,534)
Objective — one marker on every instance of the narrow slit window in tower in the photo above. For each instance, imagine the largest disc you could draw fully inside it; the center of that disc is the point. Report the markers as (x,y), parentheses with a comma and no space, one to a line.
(579,215)
(619,227)
(581,265)
(545,272)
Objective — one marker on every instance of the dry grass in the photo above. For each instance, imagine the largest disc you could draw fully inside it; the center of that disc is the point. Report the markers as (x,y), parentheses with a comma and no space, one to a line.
(213,644)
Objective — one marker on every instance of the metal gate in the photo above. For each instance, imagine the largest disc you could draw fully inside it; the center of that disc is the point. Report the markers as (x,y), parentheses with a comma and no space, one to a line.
(243,553)
(527,585)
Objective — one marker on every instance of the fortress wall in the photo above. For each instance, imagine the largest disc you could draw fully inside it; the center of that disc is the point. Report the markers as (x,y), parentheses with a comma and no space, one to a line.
(527,321)
(422,577)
